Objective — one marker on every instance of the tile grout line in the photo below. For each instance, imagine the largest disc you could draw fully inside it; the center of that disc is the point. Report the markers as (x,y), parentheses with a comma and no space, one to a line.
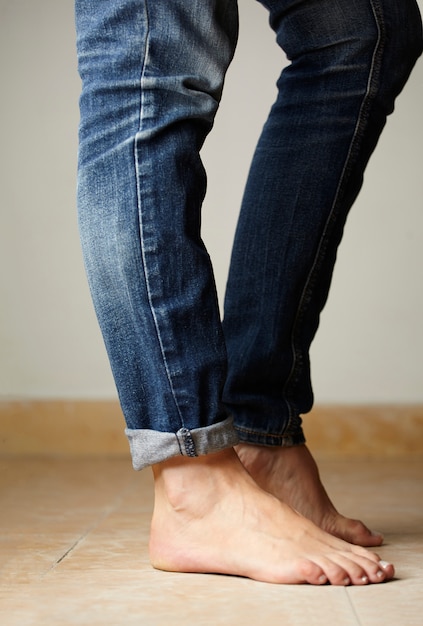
(353,609)
(113,507)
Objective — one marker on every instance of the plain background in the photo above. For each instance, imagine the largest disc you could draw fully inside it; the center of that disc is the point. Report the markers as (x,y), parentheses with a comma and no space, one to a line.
(370,344)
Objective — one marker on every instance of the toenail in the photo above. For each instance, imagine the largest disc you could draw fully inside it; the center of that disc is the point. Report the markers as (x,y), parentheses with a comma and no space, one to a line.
(322,579)
(346,582)
(364,579)
(380,574)
(384,564)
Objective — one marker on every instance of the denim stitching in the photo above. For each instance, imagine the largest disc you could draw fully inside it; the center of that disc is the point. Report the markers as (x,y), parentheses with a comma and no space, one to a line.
(320,254)
(289,439)
(145,268)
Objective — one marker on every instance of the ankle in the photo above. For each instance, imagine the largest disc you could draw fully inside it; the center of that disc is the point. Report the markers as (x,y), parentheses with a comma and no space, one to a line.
(258,460)
(180,480)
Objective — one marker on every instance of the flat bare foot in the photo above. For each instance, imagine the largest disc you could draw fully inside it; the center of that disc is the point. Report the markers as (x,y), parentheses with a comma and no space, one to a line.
(211,517)
(291,475)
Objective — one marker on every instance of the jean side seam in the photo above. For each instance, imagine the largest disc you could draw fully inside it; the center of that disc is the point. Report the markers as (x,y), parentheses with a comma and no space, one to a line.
(271,439)
(320,253)
(140,211)
(250,431)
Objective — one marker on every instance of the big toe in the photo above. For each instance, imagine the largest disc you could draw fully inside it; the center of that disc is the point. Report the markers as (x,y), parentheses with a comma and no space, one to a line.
(355,532)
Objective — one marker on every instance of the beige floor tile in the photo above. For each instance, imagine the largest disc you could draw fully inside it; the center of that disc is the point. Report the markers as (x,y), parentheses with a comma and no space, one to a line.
(401,601)
(398,603)
(47,507)
(388,495)
(74,551)
(25,558)
(157,598)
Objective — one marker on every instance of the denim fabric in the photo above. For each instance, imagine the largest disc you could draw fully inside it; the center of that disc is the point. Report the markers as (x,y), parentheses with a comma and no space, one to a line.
(152,75)
(349,60)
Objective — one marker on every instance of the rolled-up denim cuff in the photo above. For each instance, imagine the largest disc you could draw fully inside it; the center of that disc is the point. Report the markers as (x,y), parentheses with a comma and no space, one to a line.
(151,446)
(292,435)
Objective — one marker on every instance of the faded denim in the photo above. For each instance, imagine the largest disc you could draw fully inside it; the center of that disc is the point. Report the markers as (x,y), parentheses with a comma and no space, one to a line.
(152,76)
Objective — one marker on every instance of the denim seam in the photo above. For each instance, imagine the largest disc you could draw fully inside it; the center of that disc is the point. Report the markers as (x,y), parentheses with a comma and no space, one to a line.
(248,431)
(283,440)
(369,94)
(142,239)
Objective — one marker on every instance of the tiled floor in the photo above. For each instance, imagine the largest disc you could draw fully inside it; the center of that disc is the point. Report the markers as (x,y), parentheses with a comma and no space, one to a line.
(73,551)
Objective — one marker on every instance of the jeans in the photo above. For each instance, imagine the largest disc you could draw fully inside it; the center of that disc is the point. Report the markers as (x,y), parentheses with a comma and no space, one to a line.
(152,76)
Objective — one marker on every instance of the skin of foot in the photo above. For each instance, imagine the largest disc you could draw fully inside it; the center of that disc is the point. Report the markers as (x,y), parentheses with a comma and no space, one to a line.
(211,517)
(292,476)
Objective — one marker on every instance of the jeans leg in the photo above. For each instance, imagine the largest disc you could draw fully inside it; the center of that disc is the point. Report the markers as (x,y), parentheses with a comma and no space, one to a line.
(152,73)
(349,60)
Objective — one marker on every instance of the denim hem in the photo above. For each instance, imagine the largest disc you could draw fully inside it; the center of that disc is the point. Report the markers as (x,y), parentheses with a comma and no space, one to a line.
(265,439)
(149,447)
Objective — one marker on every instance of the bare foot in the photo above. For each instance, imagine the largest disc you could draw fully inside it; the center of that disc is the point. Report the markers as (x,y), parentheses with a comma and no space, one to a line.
(210,516)
(291,475)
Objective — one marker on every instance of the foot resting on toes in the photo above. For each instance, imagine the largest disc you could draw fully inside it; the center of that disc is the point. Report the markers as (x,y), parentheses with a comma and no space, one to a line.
(211,516)
(291,474)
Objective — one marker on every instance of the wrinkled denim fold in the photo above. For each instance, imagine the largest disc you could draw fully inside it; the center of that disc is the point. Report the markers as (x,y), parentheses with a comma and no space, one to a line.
(152,77)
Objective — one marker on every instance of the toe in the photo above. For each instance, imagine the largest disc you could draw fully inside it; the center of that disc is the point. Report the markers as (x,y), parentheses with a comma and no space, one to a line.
(362,570)
(335,572)
(310,572)
(387,569)
(354,532)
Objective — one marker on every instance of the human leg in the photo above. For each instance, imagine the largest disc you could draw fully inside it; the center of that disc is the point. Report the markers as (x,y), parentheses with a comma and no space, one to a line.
(152,75)
(148,100)
(349,60)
